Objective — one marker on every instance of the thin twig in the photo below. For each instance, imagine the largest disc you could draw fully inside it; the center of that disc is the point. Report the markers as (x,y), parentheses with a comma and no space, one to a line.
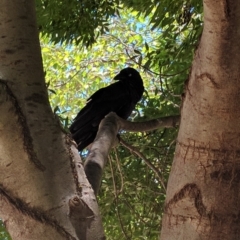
(116,199)
(147,162)
(113,178)
(174,141)
(120,171)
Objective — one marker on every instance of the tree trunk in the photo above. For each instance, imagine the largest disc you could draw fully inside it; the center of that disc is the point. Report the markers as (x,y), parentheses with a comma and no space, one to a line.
(203,200)
(44,193)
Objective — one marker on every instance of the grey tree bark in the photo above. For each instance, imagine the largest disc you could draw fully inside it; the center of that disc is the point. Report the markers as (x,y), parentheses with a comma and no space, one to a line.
(106,139)
(44,193)
(203,200)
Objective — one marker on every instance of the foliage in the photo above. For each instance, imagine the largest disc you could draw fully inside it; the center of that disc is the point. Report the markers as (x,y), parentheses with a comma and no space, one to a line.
(84,21)
(81,21)
(132,194)
(3,233)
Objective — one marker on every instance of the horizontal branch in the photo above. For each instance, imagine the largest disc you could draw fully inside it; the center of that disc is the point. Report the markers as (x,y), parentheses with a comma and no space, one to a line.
(163,122)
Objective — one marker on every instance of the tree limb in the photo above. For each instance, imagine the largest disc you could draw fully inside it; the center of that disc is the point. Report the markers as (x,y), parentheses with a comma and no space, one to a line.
(147,162)
(106,137)
(163,122)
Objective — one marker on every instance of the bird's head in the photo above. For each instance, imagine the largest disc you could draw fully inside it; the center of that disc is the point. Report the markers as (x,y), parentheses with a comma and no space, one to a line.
(127,73)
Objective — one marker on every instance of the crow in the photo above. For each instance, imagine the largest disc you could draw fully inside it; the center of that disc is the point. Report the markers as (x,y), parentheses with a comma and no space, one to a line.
(119,97)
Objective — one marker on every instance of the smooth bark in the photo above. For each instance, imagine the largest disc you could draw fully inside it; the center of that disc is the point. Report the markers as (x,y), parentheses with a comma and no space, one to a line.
(203,200)
(43,187)
(106,139)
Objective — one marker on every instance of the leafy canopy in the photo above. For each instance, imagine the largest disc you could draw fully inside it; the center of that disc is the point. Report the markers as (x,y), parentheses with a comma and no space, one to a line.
(132,194)
(84,21)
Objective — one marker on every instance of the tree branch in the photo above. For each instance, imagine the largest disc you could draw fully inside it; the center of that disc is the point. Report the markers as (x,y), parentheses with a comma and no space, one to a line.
(148,163)
(101,146)
(106,137)
(163,122)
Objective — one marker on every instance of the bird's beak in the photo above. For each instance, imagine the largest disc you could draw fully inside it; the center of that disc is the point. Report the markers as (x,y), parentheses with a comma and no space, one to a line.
(118,77)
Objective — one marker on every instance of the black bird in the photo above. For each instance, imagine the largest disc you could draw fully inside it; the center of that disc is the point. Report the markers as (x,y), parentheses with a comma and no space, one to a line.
(119,97)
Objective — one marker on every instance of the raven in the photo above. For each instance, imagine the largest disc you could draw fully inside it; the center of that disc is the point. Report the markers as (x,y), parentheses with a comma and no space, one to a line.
(119,97)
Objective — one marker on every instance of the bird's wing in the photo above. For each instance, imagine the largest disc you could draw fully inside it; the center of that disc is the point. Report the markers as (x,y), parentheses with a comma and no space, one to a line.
(114,98)
(102,102)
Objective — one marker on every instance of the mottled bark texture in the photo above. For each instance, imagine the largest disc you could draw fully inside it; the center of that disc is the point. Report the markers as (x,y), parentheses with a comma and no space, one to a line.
(42,181)
(106,138)
(203,200)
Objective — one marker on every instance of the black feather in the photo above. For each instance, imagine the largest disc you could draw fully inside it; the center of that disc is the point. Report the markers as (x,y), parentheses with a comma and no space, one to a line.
(120,97)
